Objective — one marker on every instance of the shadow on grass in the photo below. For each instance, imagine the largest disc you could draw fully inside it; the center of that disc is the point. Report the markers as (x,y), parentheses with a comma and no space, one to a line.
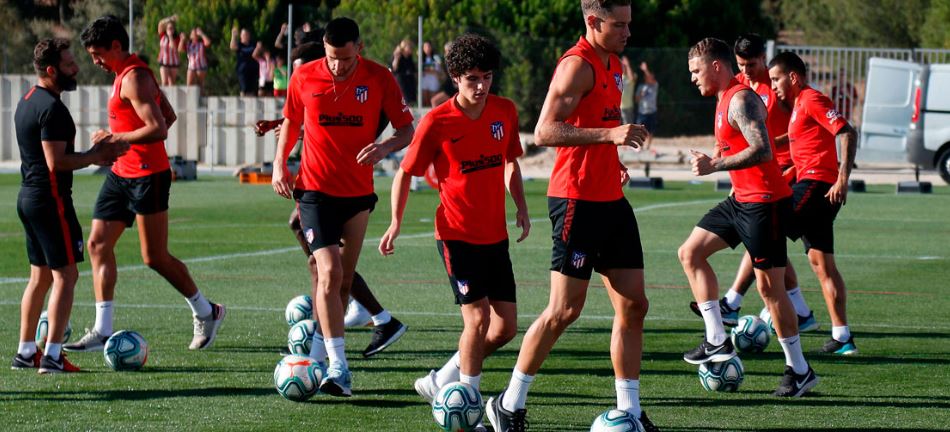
(125,394)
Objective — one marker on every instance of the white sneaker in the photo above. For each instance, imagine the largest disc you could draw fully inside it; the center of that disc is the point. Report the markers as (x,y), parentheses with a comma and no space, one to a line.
(206,329)
(427,387)
(91,341)
(356,315)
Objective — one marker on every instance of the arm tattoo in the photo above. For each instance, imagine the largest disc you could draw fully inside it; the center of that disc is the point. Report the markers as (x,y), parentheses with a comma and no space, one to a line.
(747,113)
(847,140)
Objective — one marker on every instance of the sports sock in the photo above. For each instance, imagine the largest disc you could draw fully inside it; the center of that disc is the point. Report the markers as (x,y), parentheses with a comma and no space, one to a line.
(798,300)
(628,395)
(450,372)
(517,392)
(318,348)
(715,332)
(841,333)
(335,351)
(103,324)
(200,306)
(472,380)
(53,350)
(382,318)
(26,349)
(793,354)
(734,299)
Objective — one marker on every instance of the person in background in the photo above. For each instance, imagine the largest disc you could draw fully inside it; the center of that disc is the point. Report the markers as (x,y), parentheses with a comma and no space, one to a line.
(279,77)
(628,105)
(646,104)
(404,68)
(195,47)
(246,67)
(168,44)
(432,72)
(265,70)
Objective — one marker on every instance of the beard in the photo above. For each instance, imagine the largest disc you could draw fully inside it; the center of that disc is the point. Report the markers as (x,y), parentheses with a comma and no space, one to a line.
(66,82)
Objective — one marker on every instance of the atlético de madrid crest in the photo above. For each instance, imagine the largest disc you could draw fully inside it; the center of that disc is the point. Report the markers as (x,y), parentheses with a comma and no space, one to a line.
(498,130)
(362,93)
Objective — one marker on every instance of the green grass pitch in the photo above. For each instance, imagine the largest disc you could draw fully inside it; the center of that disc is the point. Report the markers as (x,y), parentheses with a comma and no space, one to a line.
(892,251)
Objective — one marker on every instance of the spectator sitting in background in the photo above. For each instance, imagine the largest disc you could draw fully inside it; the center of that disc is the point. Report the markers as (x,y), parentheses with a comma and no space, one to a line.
(168,43)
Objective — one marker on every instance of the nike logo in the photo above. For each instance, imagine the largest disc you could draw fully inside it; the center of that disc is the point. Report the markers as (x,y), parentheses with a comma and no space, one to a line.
(718,348)
(759,260)
(316,94)
(455,140)
(801,383)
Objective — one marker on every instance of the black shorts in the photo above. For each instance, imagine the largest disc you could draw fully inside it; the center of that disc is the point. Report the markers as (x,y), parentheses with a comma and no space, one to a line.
(53,234)
(813,216)
(120,198)
(478,271)
(759,226)
(590,235)
(247,81)
(322,216)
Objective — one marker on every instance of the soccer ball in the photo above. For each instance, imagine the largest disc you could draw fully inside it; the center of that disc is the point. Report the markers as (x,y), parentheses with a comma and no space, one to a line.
(299,308)
(457,407)
(297,378)
(300,337)
(722,376)
(42,330)
(766,316)
(750,334)
(125,350)
(616,421)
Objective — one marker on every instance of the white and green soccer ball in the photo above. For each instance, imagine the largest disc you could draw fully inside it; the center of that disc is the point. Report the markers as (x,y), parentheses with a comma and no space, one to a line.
(616,421)
(766,316)
(457,407)
(297,378)
(125,350)
(750,334)
(42,330)
(300,337)
(299,308)
(722,376)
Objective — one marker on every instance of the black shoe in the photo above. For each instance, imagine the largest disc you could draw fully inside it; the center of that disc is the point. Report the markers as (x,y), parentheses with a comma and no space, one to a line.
(841,348)
(707,352)
(648,426)
(794,385)
(384,335)
(730,316)
(503,420)
(20,362)
(48,365)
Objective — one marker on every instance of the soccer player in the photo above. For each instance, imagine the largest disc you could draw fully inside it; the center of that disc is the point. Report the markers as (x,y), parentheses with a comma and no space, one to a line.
(755,214)
(46,136)
(472,139)
(750,56)
(594,227)
(338,101)
(137,188)
(822,187)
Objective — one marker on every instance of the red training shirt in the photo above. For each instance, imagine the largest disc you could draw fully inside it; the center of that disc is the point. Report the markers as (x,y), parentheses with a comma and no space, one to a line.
(469,157)
(811,134)
(142,159)
(777,121)
(340,119)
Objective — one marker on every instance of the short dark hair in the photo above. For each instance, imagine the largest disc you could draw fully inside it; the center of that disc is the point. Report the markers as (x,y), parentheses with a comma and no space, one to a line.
(101,32)
(341,31)
(749,45)
(601,8)
(712,49)
(789,62)
(48,52)
(471,51)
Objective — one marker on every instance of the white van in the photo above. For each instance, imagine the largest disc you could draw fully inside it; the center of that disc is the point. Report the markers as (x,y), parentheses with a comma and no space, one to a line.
(907,114)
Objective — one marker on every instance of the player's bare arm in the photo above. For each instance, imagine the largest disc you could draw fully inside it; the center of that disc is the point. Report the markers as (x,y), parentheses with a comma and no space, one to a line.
(398,199)
(281,179)
(846,139)
(574,78)
(140,89)
(375,152)
(515,187)
(746,113)
(104,151)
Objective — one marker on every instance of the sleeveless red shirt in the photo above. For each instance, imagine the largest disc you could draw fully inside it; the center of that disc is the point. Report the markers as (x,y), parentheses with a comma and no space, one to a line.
(142,159)
(762,183)
(591,172)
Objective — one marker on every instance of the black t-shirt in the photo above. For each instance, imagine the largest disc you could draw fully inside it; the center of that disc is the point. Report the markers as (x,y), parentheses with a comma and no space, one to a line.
(245,58)
(42,116)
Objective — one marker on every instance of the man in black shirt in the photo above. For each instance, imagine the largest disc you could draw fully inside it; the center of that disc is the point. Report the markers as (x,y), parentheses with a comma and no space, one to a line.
(45,134)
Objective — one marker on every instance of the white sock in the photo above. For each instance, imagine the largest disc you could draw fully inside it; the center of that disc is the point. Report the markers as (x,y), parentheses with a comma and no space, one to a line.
(318,348)
(200,306)
(793,354)
(841,333)
(472,380)
(103,324)
(517,392)
(798,300)
(335,351)
(53,350)
(450,372)
(26,349)
(715,332)
(382,318)
(734,299)
(628,395)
